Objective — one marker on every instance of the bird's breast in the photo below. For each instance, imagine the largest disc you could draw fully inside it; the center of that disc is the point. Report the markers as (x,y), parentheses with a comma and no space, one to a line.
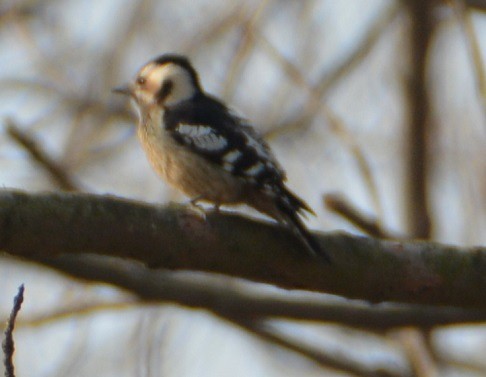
(159,147)
(184,169)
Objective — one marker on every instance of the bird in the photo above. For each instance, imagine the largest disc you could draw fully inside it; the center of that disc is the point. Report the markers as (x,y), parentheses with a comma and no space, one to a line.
(198,145)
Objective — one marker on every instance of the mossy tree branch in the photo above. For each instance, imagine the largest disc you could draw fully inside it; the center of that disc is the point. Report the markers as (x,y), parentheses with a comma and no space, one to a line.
(173,237)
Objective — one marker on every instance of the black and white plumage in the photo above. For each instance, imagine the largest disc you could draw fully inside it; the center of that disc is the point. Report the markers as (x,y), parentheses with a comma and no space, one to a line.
(203,149)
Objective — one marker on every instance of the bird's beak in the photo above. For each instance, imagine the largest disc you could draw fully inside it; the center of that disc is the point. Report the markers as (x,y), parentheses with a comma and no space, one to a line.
(123,89)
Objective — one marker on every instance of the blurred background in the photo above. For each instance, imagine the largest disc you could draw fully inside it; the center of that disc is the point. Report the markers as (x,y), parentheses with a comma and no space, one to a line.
(376,109)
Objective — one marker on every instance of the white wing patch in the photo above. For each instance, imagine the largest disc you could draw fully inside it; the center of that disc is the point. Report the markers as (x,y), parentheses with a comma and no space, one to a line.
(202,137)
(269,189)
(256,145)
(254,170)
(230,158)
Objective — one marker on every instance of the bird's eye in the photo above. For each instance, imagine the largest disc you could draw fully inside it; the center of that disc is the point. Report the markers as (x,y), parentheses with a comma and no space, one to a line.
(141,80)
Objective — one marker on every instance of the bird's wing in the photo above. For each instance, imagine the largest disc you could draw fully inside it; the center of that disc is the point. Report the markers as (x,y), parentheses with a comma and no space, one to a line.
(213,132)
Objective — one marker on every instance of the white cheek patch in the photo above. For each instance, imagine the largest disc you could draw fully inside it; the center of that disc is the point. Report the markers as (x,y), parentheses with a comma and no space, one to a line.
(155,76)
(202,137)
(182,86)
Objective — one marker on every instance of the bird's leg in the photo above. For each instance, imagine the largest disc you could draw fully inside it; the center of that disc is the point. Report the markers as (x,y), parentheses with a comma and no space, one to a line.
(216,207)
(197,208)
(193,201)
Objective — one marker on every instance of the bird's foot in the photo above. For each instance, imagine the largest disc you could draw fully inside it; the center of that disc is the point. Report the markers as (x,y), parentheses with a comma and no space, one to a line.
(197,208)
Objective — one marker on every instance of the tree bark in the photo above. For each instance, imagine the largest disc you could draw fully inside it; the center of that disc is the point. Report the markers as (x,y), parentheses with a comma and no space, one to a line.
(173,237)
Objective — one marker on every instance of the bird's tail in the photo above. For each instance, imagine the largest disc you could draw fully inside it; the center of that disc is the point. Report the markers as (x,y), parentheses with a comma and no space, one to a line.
(290,206)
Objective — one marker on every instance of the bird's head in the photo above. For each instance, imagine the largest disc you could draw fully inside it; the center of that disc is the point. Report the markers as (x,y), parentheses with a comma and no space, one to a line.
(164,81)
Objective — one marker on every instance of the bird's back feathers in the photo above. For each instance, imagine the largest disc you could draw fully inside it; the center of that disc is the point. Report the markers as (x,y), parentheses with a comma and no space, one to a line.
(211,130)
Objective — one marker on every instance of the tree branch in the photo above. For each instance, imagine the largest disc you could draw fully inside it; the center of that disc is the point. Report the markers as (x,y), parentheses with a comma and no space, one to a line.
(341,363)
(420,127)
(238,305)
(57,173)
(478,4)
(176,238)
(339,205)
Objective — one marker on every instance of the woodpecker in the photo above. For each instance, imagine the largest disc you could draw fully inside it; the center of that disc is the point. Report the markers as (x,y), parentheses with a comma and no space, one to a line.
(200,147)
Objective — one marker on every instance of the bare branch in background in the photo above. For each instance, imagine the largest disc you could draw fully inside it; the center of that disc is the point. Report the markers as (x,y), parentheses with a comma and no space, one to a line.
(243,50)
(477,4)
(330,79)
(359,155)
(211,32)
(317,92)
(58,174)
(219,298)
(371,226)
(335,124)
(418,352)
(420,130)
(464,18)
(332,360)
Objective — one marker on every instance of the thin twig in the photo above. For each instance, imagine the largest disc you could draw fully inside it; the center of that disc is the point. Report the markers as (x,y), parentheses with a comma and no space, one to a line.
(58,174)
(420,130)
(337,361)
(336,125)
(8,345)
(464,18)
(371,226)
(203,38)
(242,52)
(476,4)
(316,106)
(331,79)
(418,352)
